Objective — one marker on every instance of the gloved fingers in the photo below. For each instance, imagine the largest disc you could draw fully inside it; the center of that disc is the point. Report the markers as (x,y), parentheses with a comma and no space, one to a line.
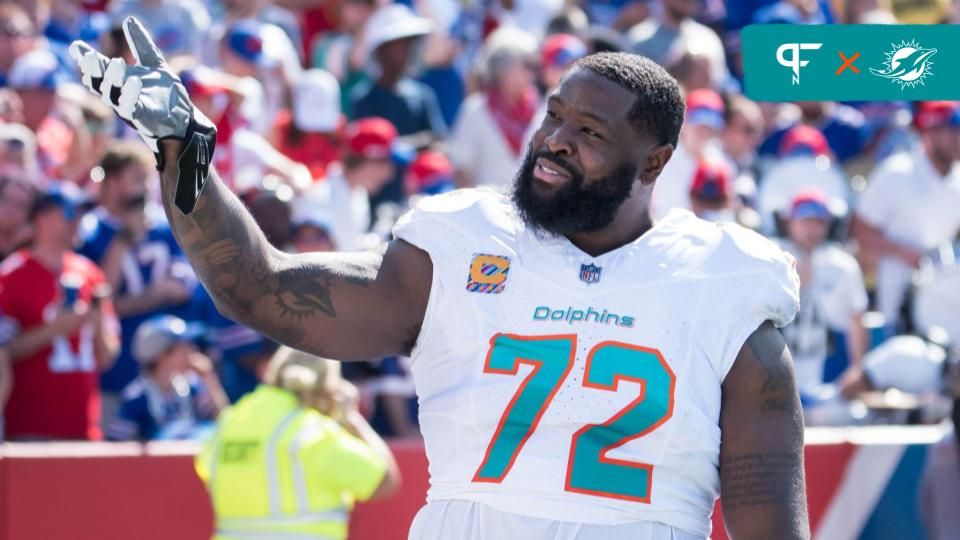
(129,98)
(112,82)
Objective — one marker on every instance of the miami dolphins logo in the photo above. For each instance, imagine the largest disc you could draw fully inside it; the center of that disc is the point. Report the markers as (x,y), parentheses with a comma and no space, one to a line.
(907,64)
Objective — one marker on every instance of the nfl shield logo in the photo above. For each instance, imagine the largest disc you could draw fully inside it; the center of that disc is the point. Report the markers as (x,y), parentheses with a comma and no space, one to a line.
(590,273)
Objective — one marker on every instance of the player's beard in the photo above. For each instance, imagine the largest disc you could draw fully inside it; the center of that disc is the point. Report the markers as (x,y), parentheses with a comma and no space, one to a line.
(574,208)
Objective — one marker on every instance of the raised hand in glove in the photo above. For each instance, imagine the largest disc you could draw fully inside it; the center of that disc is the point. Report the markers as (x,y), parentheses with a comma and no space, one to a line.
(151,98)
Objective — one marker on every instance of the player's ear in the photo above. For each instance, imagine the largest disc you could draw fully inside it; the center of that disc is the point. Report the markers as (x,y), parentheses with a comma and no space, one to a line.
(657,158)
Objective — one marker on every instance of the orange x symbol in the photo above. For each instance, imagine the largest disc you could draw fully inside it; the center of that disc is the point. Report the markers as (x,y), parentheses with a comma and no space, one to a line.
(848,62)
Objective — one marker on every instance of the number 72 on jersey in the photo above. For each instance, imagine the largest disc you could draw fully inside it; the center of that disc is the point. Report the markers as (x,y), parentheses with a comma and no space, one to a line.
(589,470)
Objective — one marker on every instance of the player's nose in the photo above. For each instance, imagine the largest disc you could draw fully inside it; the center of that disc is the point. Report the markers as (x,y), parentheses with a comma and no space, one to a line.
(559,141)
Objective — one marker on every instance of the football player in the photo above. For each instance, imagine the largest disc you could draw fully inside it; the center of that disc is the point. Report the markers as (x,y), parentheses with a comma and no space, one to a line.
(583,372)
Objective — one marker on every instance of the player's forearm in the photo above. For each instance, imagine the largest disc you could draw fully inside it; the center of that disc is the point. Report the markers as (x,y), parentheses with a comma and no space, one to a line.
(220,238)
(248,280)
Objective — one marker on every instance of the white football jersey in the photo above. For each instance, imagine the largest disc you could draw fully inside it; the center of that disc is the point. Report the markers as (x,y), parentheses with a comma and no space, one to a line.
(571,388)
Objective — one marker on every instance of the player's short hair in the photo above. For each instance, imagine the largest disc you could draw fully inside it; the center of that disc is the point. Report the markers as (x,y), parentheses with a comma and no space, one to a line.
(123,154)
(659,107)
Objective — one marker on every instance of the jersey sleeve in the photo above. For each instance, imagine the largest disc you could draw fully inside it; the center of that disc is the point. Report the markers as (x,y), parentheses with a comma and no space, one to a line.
(758,283)
(348,464)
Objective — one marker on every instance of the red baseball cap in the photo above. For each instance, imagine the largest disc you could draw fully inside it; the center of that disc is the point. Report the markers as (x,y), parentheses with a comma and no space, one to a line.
(561,50)
(712,180)
(430,173)
(933,114)
(200,82)
(371,138)
(803,139)
(704,106)
(810,202)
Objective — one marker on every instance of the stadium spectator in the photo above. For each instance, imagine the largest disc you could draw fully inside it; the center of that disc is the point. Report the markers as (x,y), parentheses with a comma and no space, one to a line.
(699,139)
(741,134)
(804,161)
(66,328)
(177,390)
(18,37)
(841,125)
(340,51)
(16,196)
(343,199)
(262,52)
(310,418)
(18,149)
(61,139)
(431,173)
(673,30)
(178,26)
(711,191)
(391,35)
(264,11)
(310,131)
(487,143)
(910,205)
(827,336)
(139,256)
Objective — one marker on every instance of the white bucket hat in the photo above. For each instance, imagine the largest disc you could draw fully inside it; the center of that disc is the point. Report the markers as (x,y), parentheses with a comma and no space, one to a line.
(393,22)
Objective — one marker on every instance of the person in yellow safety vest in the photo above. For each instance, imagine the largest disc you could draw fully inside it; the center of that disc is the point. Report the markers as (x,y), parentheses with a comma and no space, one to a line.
(288,460)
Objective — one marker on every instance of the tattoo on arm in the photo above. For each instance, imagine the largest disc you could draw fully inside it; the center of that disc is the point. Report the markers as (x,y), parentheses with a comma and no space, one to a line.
(233,258)
(759,479)
(777,390)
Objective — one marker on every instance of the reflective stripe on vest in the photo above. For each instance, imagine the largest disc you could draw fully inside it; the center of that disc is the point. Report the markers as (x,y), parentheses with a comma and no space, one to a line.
(273,465)
(299,476)
(254,528)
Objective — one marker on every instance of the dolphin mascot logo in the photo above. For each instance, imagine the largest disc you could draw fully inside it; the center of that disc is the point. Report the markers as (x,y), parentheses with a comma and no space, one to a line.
(907,64)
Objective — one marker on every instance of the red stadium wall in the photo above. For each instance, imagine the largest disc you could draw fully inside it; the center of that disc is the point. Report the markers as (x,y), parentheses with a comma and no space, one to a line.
(124,491)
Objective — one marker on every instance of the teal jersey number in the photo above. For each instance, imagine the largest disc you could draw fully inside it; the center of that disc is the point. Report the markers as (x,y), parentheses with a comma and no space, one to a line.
(551,358)
(589,470)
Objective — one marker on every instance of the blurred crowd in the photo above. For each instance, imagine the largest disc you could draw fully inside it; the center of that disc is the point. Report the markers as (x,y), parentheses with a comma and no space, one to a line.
(334,116)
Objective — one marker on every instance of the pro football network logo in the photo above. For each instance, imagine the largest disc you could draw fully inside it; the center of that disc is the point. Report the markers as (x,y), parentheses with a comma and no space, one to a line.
(794,62)
(590,273)
(907,64)
(488,274)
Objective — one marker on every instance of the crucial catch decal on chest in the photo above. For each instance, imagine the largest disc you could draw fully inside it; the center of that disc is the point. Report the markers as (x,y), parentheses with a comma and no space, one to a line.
(488,274)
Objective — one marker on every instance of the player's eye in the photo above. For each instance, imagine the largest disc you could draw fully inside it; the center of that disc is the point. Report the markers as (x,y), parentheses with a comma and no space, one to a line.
(591,133)
(552,115)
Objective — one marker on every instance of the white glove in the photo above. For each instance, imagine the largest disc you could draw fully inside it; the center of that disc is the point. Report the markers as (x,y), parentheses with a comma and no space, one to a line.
(149,97)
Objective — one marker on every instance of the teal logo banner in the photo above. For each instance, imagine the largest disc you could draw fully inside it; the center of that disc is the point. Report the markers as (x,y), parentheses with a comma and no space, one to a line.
(859,62)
